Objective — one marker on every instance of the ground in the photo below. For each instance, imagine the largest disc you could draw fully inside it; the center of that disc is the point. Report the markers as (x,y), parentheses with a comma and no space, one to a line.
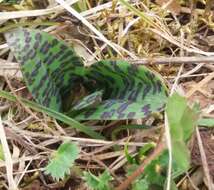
(173,38)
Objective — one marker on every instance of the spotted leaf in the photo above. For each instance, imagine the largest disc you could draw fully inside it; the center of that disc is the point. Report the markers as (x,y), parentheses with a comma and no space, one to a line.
(89,101)
(117,89)
(49,66)
(130,91)
(8,2)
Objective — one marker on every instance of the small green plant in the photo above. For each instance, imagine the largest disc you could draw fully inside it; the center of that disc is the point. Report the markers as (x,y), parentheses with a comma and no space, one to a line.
(114,90)
(154,174)
(63,159)
(182,122)
(100,182)
(206,122)
(140,184)
(126,91)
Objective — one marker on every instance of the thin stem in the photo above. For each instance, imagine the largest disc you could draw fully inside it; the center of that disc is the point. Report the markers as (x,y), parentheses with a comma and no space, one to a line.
(157,151)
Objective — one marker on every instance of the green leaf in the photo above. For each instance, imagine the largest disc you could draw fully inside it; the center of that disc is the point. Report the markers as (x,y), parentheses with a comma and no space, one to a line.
(182,121)
(89,101)
(80,5)
(129,157)
(155,171)
(129,91)
(141,184)
(143,150)
(181,154)
(63,160)
(98,183)
(206,122)
(52,71)
(1,152)
(9,1)
(173,185)
(50,68)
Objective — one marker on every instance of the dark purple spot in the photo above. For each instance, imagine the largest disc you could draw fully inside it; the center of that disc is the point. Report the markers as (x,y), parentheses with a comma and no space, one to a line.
(58,97)
(89,112)
(36,45)
(46,102)
(43,79)
(26,33)
(38,37)
(131,95)
(154,88)
(31,54)
(54,42)
(65,56)
(26,47)
(131,115)
(49,56)
(27,39)
(121,115)
(160,108)
(63,47)
(146,109)
(106,115)
(45,47)
(37,67)
(24,59)
(30,79)
(146,91)
(133,69)
(116,67)
(159,86)
(150,75)
(123,107)
(109,104)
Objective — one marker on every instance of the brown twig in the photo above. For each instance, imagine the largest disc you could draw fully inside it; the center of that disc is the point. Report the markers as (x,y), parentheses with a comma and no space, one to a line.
(19,139)
(204,160)
(175,60)
(18,99)
(7,158)
(157,151)
(5,65)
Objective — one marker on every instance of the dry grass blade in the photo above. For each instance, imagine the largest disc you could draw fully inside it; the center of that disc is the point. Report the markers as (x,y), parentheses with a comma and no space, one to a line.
(200,84)
(204,161)
(86,23)
(174,60)
(5,65)
(9,69)
(7,157)
(173,38)
(32,13)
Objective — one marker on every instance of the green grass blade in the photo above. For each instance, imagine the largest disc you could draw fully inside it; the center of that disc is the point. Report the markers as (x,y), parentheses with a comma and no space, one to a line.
(57,115)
